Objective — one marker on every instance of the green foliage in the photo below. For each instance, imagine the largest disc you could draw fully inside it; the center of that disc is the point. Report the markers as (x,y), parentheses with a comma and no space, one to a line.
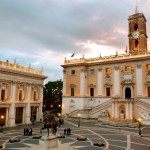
(52,95)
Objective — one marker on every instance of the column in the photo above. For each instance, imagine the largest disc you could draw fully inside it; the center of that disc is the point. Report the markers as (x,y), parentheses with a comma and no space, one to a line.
(139,81)
(113,110)
(41,103)
(116,110)
(28,109)
(64,82)
(131,110)
(7,117)
(100,84)
(82,82)
(0,91)
(116,82)
(23,116)
(37,113)
(127,111)
(12,105)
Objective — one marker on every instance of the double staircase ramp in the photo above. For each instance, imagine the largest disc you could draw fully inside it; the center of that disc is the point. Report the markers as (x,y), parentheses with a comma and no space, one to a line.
(91,112)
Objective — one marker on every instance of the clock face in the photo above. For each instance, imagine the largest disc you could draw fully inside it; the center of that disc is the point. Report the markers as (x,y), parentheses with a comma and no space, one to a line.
(135,34)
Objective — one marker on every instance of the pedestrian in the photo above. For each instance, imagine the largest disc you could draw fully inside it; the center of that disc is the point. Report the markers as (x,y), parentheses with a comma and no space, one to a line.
(65,131)
(59,122)
(27,131)
(24,131)
(62,121)
(30,131)
(69,131)
(33,121)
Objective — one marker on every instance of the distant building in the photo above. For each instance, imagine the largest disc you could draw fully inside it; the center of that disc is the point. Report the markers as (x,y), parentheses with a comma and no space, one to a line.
(21,94)
(114,87)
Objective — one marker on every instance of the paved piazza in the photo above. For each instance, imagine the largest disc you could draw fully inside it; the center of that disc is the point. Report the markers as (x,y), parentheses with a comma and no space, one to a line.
(113,137)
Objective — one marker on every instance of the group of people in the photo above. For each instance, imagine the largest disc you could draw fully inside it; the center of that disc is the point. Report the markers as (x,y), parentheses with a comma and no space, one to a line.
(67,131)
(27,131)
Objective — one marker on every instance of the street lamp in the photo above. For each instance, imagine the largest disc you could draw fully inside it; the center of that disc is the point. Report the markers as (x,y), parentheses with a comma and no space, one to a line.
(79,120)
(59,115)
(140,126)
(2,117)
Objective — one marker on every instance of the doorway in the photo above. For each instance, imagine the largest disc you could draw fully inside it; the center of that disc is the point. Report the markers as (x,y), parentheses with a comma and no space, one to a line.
(19,115)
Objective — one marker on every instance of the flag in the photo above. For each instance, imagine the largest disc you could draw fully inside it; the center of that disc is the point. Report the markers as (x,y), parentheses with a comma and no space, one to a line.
(72,55)
(126,49)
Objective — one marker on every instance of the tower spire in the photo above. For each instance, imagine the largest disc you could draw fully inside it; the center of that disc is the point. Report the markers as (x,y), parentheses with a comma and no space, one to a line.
(136,8)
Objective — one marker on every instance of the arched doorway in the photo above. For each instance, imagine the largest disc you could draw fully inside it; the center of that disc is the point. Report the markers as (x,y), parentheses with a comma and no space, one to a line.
(127,92)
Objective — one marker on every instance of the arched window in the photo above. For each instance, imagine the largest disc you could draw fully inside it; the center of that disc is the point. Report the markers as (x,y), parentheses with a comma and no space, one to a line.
(127,92)
(135,27)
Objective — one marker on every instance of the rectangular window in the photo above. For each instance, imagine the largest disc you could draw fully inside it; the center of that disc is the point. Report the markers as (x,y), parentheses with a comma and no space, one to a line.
(34,96)
(128,69)
(91,91)
(20,95)
(2,94)
(72,91)
(108,70)
(148,67)
(73,72)
(91,71)
(148,91)
(108,91)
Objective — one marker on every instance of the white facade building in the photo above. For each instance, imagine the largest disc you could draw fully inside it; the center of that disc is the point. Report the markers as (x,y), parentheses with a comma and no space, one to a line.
(21,94)
(115,86)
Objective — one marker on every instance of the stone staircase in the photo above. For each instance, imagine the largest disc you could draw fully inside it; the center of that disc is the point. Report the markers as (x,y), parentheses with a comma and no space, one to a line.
(95,112)
(84,113)
(92,112)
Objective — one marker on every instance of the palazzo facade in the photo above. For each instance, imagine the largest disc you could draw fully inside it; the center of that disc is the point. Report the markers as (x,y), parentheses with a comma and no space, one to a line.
(21,94)
(116,86)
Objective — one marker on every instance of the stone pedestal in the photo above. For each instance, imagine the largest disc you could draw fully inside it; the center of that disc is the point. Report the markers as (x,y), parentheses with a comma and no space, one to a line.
(49,143)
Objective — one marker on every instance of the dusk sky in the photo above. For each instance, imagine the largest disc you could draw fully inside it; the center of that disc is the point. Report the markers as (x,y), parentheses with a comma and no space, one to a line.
(43,32)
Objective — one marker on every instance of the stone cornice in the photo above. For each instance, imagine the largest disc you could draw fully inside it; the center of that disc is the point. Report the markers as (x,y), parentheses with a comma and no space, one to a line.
(107,60)
(17,72)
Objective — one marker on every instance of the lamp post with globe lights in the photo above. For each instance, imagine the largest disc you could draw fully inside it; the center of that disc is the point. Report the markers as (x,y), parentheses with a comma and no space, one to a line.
(140,126)
(1,123)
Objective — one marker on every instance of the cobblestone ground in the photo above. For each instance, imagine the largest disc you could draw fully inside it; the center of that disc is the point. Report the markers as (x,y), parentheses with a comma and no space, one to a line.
(114,138)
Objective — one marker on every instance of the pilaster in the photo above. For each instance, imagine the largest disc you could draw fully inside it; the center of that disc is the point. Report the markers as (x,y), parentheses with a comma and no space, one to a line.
(12,105)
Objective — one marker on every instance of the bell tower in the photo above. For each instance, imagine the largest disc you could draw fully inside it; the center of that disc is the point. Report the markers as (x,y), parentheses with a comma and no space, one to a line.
(137,33)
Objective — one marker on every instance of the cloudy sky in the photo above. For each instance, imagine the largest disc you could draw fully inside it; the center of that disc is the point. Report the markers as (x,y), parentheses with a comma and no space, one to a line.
(43,32)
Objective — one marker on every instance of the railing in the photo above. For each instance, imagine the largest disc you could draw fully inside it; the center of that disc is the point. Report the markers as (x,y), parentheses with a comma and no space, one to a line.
(20,68)
(145,102)
(123,99)
(78,111)
(105,58)
(100,106)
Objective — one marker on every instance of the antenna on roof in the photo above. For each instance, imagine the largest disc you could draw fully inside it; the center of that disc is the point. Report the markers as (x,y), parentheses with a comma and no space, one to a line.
(136,8)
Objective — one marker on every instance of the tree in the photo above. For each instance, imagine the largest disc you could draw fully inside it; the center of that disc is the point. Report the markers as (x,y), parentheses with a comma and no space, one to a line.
(52,96)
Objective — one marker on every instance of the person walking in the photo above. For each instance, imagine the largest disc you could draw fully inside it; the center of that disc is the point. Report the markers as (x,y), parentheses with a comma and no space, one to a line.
(65,131)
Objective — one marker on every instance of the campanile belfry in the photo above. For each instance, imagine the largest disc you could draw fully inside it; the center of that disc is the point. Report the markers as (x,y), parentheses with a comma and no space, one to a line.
(137,33)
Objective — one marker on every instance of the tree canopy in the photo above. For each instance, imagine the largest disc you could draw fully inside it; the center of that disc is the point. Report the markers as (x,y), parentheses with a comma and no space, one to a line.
(52,95)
